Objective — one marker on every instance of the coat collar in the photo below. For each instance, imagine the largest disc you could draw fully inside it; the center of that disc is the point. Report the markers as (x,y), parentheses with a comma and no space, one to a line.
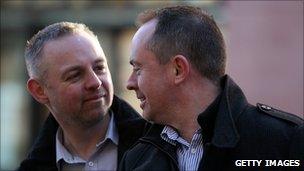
(129,124)
(217,121)
(230,104)
(153,137)
(127,121)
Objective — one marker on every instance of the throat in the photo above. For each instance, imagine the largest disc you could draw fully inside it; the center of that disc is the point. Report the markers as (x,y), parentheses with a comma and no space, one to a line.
(82,142)
(187,129)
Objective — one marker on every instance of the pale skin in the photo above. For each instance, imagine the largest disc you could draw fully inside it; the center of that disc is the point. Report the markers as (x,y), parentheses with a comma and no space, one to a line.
(77,90)
(184,93)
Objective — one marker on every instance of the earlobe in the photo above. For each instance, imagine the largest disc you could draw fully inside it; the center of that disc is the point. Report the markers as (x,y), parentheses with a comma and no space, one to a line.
(37,90)
(181,67)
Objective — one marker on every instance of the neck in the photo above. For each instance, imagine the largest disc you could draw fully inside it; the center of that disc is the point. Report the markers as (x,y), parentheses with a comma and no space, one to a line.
(82,141)
(192,101)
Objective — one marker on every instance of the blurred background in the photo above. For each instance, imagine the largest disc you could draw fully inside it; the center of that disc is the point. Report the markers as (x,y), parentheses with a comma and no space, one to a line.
(264,45)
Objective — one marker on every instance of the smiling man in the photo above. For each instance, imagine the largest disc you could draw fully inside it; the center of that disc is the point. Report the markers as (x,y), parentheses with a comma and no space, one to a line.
(202,118)
(69,74)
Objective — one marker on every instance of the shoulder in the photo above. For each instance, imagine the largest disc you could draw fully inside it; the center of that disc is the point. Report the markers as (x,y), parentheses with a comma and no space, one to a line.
(269,131)
(282,128)
(43,152)
(278,114)
(262,113)
(263,120)
(44,144)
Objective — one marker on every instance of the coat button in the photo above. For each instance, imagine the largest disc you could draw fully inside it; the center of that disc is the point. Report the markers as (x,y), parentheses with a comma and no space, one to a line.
(91,164)
(265,107)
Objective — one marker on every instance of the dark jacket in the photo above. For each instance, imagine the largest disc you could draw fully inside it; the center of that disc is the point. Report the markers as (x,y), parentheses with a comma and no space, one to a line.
(232,129)
(43,153)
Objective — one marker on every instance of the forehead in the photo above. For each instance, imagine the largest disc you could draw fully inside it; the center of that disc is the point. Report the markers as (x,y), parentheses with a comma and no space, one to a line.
(140,39)
(72,50)
(73,45)
(144,33)
(73,41)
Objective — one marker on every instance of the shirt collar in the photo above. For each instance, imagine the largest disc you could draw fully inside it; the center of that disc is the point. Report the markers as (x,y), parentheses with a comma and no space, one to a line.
(171,135)
(60,150)
(112,132)
(63,153)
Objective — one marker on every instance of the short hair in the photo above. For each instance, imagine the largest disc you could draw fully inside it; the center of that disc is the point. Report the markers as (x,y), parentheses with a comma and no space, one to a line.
(34,47)
(188,31)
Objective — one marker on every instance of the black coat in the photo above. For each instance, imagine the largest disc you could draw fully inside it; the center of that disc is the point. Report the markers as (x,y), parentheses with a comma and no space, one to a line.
(232,129)
(42,156)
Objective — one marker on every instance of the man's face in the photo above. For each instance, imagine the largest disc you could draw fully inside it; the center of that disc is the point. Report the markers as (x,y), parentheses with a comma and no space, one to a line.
(78,83)
(149,77)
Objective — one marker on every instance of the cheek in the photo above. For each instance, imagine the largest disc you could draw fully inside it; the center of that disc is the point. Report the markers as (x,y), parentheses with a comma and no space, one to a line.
(148,84)
(151,78)
(71,97)
(142,82)
(107,83)
(69,94)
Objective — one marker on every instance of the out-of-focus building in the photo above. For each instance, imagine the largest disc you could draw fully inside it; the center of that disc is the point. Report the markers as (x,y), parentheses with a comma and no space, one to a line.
(264,44)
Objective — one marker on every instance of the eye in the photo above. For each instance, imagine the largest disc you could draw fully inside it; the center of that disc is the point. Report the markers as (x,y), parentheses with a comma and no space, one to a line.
(73,76)
(136,70)
(100,69)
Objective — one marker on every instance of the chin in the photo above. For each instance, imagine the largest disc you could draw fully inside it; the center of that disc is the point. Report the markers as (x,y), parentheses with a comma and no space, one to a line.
(92,120)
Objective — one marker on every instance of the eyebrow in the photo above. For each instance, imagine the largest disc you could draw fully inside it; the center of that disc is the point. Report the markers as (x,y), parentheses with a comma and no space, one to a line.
(133,62)
(68,70)
(71,68)
(100,60)
(78,67)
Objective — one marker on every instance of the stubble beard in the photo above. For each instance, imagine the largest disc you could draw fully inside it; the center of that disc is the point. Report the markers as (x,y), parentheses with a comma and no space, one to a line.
(87,120)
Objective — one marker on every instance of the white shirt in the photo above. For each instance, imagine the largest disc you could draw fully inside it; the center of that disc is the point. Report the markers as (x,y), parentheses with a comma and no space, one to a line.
(105,157)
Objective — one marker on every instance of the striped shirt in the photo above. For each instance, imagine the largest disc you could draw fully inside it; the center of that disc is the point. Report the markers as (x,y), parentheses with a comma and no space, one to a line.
(190,154)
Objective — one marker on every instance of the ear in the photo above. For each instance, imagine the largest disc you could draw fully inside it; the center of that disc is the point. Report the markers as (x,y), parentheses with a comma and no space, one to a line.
(36,89)
(181,68)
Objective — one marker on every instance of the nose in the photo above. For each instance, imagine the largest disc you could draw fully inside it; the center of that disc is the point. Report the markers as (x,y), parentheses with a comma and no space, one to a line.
(132,82)
(92,82)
